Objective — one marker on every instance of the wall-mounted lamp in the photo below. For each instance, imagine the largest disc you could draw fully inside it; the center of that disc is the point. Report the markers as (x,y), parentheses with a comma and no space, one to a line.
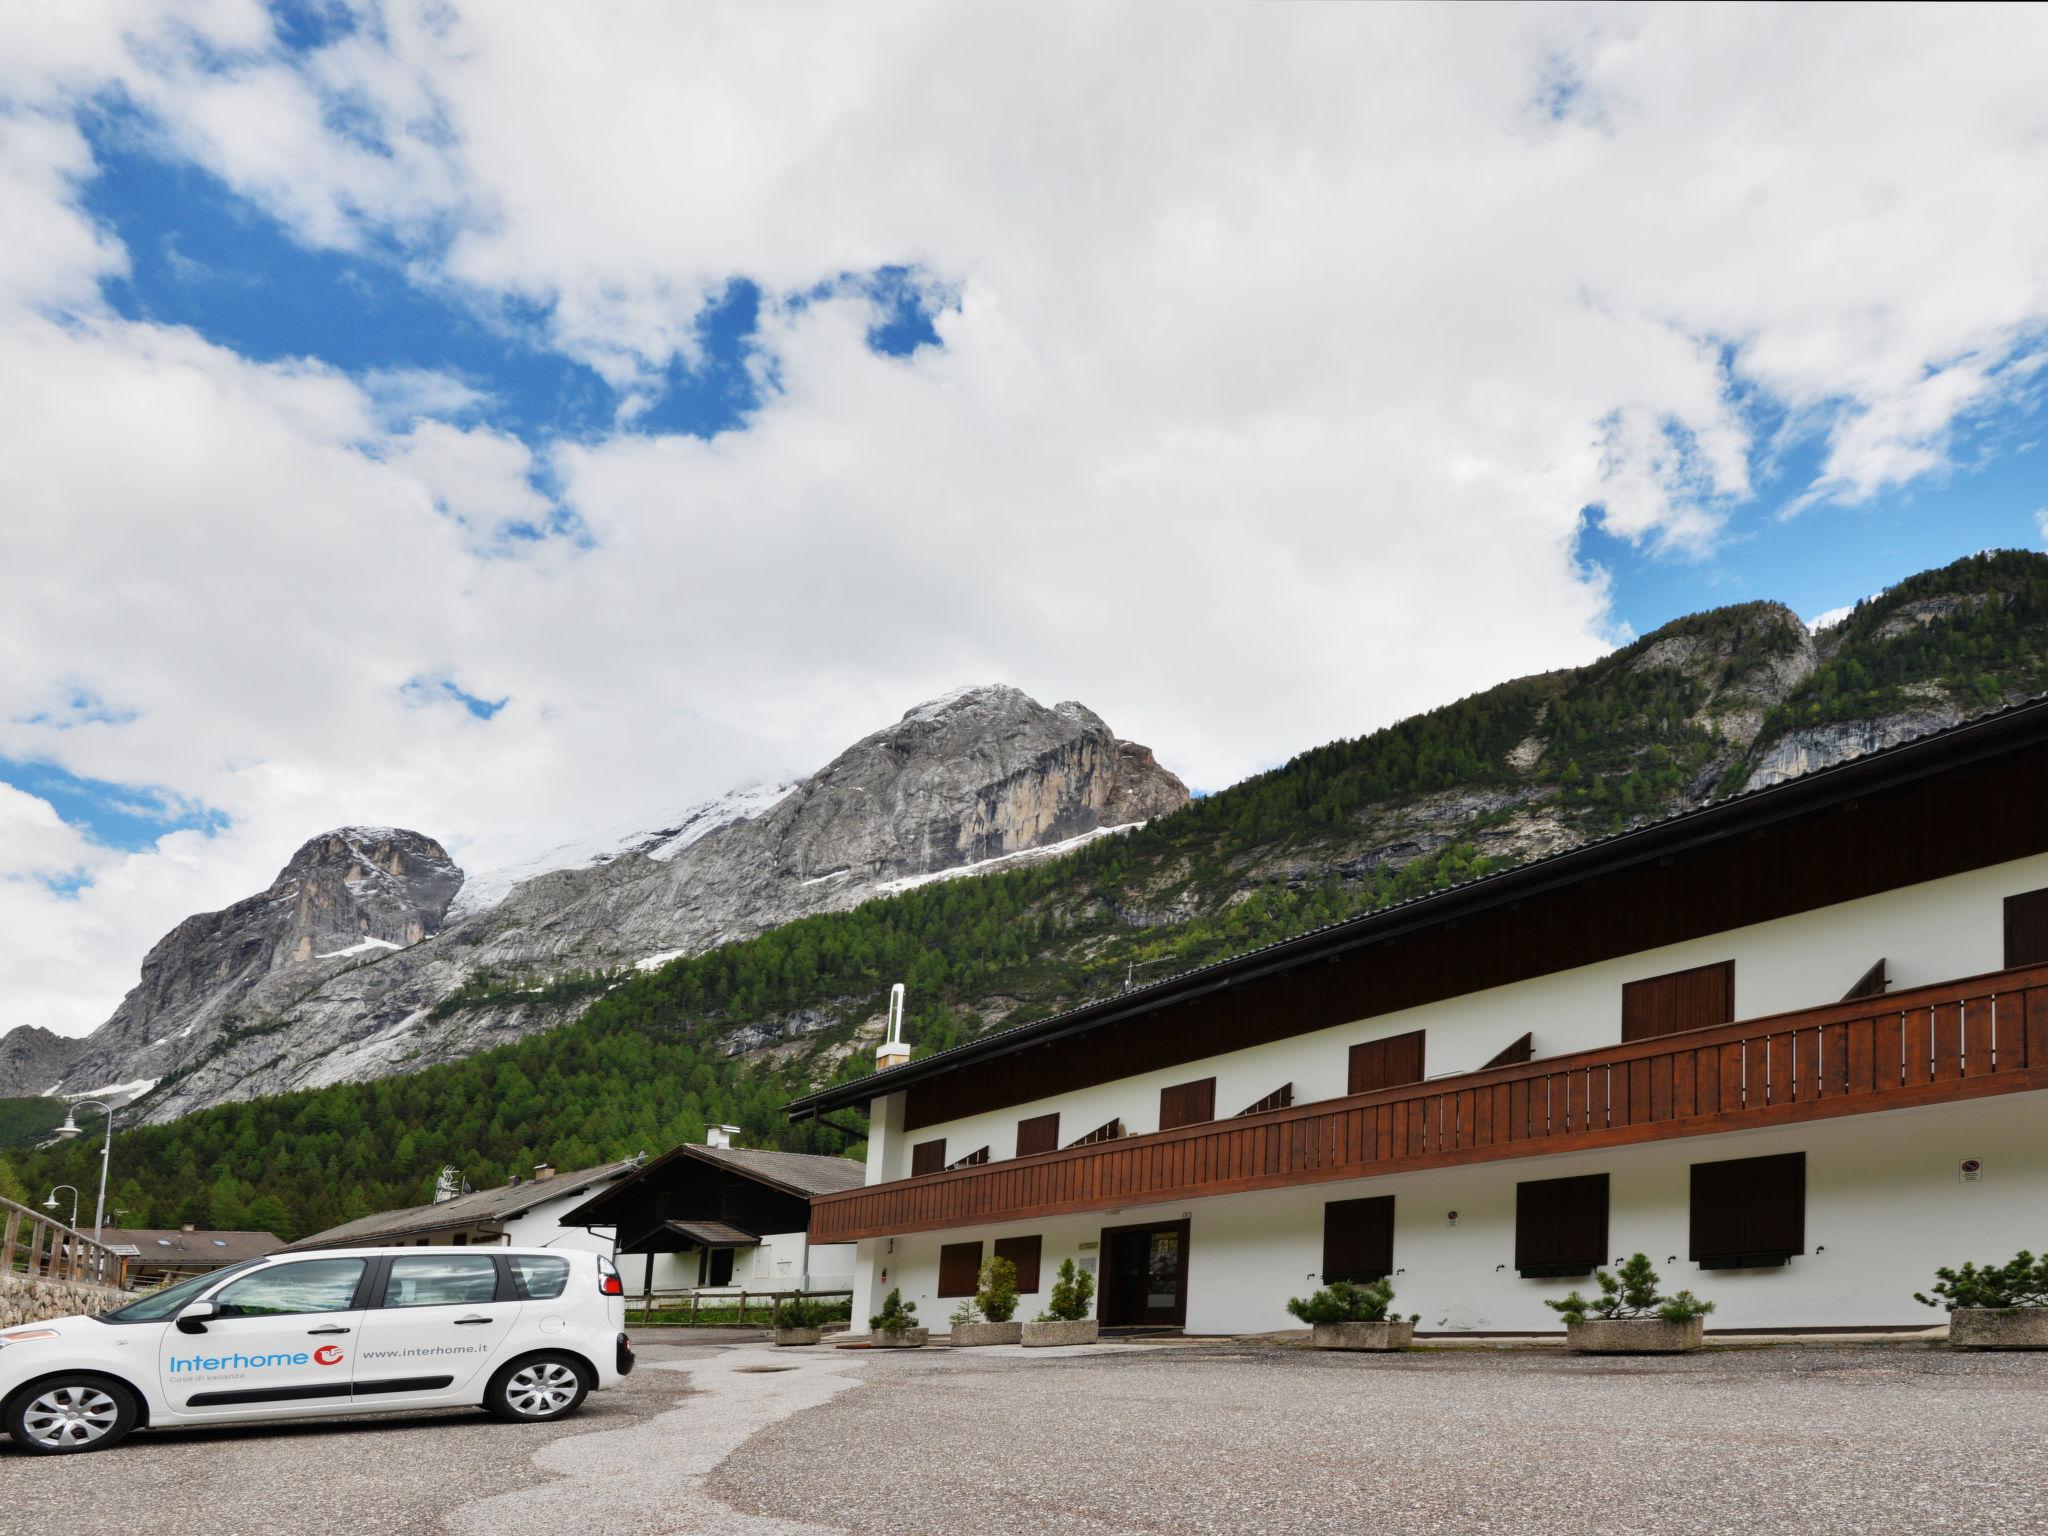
(1498,1268)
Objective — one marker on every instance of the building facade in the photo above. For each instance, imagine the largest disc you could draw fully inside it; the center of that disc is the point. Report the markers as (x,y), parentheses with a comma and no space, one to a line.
(1791,1046)
(527,1213)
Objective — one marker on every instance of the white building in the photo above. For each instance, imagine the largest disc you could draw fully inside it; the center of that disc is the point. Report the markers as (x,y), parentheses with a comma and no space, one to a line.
(1487,1092)
(527,1213)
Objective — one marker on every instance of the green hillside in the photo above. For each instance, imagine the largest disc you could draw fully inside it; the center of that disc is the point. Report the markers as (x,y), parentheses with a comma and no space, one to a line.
(1678,716)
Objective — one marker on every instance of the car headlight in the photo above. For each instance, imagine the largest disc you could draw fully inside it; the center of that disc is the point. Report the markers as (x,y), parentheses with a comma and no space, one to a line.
(23,1335)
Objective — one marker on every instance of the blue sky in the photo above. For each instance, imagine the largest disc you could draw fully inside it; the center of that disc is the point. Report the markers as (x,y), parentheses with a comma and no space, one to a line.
(687,401)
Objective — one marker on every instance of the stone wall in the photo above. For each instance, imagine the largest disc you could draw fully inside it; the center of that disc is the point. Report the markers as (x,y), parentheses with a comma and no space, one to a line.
(23,1300)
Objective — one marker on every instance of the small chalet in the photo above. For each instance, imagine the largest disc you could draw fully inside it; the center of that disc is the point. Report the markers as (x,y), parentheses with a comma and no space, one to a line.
(156,1256)
(720,1215)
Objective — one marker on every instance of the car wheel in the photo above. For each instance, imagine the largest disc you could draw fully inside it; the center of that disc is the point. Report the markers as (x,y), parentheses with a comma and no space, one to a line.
(69,1414)
(537,1389)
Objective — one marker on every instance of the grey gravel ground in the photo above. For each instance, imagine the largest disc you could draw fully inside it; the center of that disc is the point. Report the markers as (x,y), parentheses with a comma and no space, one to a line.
(747,1440)
(1238,1439)
(404,1472)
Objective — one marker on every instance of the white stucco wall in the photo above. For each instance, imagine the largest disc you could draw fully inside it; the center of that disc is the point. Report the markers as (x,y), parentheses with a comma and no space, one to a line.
(1885,1204)
(1937,931)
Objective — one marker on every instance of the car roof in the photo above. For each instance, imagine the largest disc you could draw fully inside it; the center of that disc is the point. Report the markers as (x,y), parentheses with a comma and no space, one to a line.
(436,1251)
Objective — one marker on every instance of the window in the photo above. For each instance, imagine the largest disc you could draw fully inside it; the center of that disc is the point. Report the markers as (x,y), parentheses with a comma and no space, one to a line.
(2026,928)
(220,1242)
(539,1278)
(1749,1212)
(1386,1063)
(163,1242)
(450,1281)
(1187,1104)
(1022,1252)
(1665,1005)
(959,1269)
(1041,1133)
(1561,1226)
(1358,1239)
(928,1157)
(721,1267)
(312,1285)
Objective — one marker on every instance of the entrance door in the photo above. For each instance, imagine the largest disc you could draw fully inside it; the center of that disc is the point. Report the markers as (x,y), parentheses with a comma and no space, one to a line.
(1145,1275)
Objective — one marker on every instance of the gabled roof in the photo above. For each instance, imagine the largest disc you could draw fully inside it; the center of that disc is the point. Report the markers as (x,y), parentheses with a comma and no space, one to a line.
(1936,752)
(802,1174)
(175,1248)
(478,1206)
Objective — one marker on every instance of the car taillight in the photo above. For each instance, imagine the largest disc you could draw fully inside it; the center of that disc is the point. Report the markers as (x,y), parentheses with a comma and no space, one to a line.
(611,1285)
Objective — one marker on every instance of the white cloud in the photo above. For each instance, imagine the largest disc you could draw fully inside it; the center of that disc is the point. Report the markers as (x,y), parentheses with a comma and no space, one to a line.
(1288,348)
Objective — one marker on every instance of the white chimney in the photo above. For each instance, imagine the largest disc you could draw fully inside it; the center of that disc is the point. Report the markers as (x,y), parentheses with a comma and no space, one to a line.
(893,1051)
(720,1135)
(543,1171)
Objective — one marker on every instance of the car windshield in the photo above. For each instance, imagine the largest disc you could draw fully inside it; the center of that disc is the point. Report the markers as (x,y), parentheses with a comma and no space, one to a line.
(169,1301)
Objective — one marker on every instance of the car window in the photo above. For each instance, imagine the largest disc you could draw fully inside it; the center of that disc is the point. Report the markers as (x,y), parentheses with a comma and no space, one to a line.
(540,1277)
(311,1285)
(169,1301)
(441,1281)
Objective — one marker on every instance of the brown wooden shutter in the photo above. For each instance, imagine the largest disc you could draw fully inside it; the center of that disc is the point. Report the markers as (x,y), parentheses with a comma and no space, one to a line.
(1280,1098)
(1109,1131)
(1358,1239)
(1561,1226)
(1520,1051)
(1022,1252)
(959,1269)
(1681,1000)
(1187,1104)
(1749,1211)
(1386,1063)
(2026,928)
(973,1159)
(1870,984)
(1041,1133)
(928,1157)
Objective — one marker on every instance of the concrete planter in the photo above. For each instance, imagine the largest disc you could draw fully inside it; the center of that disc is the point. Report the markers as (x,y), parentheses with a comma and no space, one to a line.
(787,1336)
(1394,1334)
(1634,1336)
(1990,1328)
(970,1334)
(1043,1335)
(909,1338)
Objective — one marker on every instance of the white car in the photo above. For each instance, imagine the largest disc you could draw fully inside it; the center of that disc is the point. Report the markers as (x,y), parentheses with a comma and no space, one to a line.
(525,1332)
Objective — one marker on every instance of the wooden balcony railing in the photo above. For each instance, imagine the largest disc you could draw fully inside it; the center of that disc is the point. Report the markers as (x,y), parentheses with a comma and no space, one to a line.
(38,1246)
(1956,1040)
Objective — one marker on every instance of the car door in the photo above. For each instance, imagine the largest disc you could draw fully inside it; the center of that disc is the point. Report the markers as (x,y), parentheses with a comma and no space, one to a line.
(282,1339)
(438,1318)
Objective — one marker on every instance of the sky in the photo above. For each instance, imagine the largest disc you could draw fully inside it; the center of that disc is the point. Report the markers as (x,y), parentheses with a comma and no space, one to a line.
(512,420)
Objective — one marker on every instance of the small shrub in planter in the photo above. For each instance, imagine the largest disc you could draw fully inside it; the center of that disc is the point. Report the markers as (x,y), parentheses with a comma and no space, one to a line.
(984,1317)
(803,1322)
(1629,1317)
(895,1326)
(1065,1319)
(2001,1306)
(1343,1315)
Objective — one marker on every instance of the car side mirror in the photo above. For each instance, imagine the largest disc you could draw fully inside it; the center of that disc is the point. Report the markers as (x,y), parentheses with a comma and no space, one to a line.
(193,1318)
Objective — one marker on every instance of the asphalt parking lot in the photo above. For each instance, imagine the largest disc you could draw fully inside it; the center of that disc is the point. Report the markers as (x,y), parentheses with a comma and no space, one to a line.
(744,1440)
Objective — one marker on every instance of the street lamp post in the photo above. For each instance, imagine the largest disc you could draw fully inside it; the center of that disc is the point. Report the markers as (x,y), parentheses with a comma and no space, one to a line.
(51,1203)
(70,1129)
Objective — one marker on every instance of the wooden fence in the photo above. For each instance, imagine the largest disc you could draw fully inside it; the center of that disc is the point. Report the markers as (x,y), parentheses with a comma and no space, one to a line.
(41,1247)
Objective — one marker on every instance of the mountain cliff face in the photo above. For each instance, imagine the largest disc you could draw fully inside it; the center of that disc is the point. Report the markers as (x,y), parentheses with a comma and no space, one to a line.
(346,968)
(345,898)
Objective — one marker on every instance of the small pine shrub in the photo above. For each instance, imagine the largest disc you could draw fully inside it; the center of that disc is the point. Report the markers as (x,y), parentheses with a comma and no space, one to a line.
(1342,1301)
(802,1312)
(1073,1295)
(1631,1293)
(897,1315)
(997,1296)
(966,1314)
(2020,1282)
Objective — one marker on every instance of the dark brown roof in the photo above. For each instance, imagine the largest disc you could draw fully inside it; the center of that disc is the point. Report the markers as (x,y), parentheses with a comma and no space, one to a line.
(174,1248)
(477,1207)
(1923,756)
(802,1174)
(713,1234)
